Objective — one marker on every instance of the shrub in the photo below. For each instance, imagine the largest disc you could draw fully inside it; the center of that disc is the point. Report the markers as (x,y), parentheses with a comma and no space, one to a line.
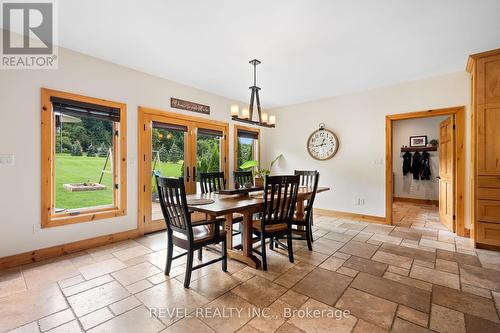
(92,151)
(103,150)
(76,149)
(175,154)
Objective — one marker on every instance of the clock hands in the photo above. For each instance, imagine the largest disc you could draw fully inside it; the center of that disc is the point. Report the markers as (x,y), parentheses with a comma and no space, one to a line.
(322,143)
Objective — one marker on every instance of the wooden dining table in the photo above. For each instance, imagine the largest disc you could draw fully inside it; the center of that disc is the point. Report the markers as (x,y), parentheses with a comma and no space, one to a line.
(246,205)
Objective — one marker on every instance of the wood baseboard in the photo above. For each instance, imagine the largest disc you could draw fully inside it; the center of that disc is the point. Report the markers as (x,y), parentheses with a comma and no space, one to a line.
(417,201)
(335,213)
(60,250)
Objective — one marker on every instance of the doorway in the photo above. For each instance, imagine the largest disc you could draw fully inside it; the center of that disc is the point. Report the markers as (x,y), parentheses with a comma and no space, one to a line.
(451,165)
(175,145)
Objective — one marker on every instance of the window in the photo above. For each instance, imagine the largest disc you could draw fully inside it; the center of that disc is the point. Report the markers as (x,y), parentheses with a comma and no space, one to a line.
(83,158)
(246,145)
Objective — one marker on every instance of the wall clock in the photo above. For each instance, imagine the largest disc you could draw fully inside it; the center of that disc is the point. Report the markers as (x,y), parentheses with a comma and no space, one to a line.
(322,144)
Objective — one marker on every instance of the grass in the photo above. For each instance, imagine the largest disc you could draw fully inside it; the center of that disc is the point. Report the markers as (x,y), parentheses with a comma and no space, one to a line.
(169,169)
(80,169)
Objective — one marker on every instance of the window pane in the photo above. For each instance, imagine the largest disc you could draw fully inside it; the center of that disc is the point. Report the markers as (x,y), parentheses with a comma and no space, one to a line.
(246,150)
(167,159)
(208,149)
(83,162)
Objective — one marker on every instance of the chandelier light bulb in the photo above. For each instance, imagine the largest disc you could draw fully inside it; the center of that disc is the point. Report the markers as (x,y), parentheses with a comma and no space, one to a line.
(235,109)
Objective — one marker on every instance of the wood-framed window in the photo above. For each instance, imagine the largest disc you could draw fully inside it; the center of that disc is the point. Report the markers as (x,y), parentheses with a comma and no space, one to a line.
(84,158)
(246,145)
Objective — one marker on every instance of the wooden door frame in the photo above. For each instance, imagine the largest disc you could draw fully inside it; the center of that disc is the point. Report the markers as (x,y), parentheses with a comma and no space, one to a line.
(459,113)
(142,114)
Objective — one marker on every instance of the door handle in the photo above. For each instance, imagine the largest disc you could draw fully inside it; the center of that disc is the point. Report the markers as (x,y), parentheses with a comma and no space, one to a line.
(194,174)
(187,174)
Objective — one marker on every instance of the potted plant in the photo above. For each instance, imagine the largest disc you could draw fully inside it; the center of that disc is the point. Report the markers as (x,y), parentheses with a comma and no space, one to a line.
(258,173)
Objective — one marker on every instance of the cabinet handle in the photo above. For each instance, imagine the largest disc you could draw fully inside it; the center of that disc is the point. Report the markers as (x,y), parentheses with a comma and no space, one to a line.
(187,174)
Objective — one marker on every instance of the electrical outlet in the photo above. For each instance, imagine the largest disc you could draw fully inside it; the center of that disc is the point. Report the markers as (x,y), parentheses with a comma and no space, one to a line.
(359,202)
(7,159)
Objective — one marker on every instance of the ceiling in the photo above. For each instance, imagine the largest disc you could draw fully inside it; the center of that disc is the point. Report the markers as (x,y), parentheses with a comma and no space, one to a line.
(309,49)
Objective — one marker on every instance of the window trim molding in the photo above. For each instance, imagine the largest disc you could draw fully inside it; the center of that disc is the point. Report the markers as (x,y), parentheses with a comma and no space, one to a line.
(235,143)
(119,208)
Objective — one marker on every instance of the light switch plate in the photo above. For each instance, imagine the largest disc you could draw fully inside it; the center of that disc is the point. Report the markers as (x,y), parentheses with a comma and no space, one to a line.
(7,159)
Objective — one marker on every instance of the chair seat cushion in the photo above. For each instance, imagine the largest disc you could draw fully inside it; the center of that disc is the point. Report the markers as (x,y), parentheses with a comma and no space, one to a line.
(201,233)
(256,225)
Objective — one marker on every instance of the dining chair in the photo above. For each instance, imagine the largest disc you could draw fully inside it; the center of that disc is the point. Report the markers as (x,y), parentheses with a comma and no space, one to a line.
(310,179)
(307,179)
(280,199)
(181,232)
(212,181)
(243,177)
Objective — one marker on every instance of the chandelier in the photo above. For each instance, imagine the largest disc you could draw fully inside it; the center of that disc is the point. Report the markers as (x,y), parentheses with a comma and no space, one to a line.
(246,116)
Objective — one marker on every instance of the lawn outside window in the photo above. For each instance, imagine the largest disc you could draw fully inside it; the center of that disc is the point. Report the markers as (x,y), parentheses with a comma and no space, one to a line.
(83,158)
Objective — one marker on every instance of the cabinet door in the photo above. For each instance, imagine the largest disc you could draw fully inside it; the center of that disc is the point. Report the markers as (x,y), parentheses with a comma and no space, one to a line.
(488,80)
(488,139)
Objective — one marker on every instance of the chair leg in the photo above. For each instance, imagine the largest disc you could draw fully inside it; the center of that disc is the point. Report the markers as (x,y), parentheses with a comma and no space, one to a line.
(271,243)
(189,268)
(289,245)
(200,253)
(263,248)
(224,256)
(170,251)
(309,237)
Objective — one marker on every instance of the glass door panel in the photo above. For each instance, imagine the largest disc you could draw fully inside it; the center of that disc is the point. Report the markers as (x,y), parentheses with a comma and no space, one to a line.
(168,152)
(209,145)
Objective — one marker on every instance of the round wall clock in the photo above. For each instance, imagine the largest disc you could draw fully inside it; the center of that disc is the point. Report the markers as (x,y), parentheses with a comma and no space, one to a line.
(322,144)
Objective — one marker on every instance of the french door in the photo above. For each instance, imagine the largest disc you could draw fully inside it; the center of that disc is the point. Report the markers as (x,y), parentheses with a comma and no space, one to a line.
(173,145)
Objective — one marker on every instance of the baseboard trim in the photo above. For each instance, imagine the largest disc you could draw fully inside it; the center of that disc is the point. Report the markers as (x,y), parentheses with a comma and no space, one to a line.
(417,201)
(364,217)
(60,250)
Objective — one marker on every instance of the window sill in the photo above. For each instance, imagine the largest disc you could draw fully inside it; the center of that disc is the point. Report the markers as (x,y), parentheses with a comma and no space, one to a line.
(88,216)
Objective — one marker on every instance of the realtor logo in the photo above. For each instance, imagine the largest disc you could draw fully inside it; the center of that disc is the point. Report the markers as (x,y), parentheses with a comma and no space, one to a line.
(28,35)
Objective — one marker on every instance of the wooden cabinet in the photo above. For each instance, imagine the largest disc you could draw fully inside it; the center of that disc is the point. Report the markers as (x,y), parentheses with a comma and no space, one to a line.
(488,74)
(485,70)
(488,138)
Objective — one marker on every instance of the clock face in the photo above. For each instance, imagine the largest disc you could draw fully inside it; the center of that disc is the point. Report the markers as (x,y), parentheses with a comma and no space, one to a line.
(322,144)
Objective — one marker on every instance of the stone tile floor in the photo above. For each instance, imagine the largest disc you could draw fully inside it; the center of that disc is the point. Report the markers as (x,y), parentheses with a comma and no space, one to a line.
(412,277)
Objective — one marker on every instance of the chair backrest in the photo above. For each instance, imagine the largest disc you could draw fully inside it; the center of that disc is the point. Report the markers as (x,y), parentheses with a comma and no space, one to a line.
(243,177)
(212,181)
(172,195)
(280,198)
(309,179)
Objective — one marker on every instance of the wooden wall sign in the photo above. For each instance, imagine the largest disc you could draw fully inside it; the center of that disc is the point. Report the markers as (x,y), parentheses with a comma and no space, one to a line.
(189,106)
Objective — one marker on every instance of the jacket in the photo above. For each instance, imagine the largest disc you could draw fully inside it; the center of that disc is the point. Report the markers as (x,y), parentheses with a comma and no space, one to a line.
(416,165)
(406,163)
(425,169)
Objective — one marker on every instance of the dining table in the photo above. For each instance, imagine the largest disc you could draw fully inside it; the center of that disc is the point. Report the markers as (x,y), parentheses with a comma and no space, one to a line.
(224,205)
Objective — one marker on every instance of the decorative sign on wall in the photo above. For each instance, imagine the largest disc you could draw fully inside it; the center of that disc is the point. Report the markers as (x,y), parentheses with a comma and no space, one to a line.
(189,106)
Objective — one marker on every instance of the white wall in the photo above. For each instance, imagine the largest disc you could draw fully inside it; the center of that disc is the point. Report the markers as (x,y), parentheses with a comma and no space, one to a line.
(358,169)
(20,135)
(406,186)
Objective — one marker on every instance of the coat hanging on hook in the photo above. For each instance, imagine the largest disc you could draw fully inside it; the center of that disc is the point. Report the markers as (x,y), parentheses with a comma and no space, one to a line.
(406,163)
(425,169)
(416,165)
